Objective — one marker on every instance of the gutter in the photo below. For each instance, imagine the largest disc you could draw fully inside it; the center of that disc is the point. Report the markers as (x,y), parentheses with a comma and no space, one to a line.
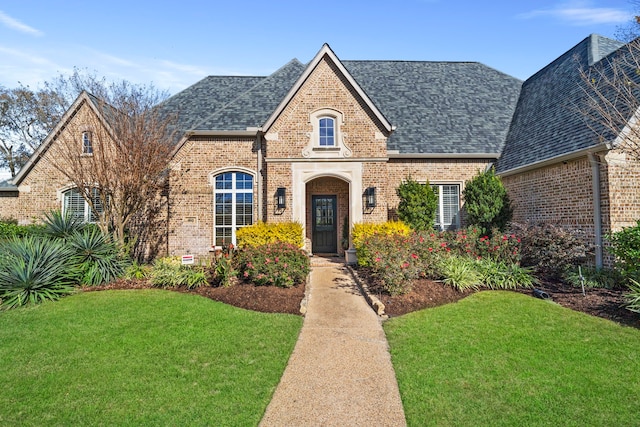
(557,159)
(229,133)
(597,208)
(396,155)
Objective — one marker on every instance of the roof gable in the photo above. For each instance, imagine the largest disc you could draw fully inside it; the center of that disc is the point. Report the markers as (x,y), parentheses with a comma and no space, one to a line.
(548,123)
(83,99)
(326,51)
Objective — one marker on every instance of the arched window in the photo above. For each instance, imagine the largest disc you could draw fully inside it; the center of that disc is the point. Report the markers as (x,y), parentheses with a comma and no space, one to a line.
(74,203)
(327,129)
(233,205)
(87,144)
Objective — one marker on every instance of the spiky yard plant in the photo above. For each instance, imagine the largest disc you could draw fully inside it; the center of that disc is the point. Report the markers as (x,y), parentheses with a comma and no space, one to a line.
(99,259)
(62,225)
(34,269)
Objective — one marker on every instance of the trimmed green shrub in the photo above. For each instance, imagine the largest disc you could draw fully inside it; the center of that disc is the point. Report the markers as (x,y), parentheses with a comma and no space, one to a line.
(276,264)
(363,232)
(98,258)
(263,233)
(486,202)
(34,269)
(10,228)
(550,249)
(625,245)
(418,204)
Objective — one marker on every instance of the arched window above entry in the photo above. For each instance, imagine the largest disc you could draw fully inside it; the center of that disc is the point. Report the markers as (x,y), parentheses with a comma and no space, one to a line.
(326,140)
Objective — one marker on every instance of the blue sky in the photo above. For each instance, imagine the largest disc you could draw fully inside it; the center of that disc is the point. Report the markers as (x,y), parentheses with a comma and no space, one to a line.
(175,44)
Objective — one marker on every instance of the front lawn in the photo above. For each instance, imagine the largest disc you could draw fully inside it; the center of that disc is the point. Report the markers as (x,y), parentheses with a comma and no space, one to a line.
(506,359)
(140,357)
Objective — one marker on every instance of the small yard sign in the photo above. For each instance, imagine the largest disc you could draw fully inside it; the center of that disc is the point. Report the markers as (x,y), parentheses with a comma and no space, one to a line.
(187,259)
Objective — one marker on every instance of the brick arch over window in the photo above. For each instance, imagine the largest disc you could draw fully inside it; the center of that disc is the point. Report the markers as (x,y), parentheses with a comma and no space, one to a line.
(72,202)
(233,203)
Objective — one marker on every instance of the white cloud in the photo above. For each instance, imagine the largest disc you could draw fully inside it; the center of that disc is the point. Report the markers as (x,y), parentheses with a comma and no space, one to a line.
(582,13)
(14,24)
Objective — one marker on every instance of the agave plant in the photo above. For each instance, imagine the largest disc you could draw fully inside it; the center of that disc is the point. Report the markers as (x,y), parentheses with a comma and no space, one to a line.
(62,225)
(98,257)
(34,269)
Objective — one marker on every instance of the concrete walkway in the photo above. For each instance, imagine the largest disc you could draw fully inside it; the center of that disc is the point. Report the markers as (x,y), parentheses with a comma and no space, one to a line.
(340,372)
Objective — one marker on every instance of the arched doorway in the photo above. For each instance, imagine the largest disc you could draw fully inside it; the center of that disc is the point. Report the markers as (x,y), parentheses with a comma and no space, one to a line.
(327,215)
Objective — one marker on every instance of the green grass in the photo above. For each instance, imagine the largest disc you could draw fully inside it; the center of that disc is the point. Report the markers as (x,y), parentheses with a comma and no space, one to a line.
(506,359)
(144,357)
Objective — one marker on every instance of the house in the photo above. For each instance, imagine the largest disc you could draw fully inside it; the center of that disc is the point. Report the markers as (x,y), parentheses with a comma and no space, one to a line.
(327,143)
(561,167)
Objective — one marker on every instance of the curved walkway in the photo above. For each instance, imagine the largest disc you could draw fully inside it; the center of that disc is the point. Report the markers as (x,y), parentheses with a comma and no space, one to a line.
(340,372)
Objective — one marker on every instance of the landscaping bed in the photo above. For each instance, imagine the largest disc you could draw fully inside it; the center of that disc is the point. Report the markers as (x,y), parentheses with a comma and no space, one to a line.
(605,303)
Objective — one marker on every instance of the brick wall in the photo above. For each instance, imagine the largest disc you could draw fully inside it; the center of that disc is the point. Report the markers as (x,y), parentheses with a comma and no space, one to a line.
(191,193)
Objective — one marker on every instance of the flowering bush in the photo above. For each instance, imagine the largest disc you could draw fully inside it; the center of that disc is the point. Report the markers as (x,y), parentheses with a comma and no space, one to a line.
(471,242)
(276,264)
(363,232)
(393,263)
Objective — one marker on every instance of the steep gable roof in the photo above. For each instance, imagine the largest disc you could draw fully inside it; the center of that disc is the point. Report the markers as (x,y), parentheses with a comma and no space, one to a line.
(101,109)
(441,107)
(326,51)
(548,123)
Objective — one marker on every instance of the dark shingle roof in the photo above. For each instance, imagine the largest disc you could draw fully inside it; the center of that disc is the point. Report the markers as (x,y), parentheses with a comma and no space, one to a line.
(205,97)
(253,107)
(437,107)
(548,121)
(440,107)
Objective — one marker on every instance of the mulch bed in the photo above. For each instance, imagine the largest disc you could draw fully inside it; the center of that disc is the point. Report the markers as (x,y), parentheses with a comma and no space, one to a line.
(604,303)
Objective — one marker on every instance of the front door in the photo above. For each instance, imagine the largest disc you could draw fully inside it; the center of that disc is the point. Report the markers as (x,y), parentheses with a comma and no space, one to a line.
(325,236)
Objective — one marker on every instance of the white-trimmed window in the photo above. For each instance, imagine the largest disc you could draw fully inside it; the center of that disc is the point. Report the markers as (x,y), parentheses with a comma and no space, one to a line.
(327,132)
(87,143)
(448,212)
(74,203)
(233,205)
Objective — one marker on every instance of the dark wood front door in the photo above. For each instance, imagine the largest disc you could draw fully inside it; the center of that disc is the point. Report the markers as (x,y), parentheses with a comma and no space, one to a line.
(325,236)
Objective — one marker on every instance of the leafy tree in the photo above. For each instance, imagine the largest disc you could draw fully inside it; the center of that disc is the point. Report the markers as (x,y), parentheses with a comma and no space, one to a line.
(486,201)
(418,204)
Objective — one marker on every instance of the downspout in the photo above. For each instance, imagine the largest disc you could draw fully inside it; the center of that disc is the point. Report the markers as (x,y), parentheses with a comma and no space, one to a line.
(261,210)
(597,208)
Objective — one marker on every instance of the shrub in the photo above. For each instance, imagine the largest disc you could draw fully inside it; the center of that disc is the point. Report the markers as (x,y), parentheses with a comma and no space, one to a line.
(34,269)
(168,272)
(394,265)
(486,202)
(633,296)
(473,243)
(363,232)
(276,264)
(460,272)
(418,204)
(550,249)
(503,275)
(223,269)
(61,225)
(625,245)
(264,233)
(98,257)
(138,271)
(10,228)
(593,277)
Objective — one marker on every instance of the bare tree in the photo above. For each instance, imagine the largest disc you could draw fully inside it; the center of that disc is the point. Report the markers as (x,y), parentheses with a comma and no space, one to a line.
(116,152)
(631,30)
(21,126)
(612,98)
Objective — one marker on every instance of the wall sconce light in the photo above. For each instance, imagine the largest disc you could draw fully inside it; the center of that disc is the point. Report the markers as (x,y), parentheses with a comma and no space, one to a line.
(281,198)
(370,197)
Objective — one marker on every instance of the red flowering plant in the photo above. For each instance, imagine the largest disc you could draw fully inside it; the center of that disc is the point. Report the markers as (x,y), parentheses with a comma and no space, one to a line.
(473,243)
(275,264)
(395,264)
